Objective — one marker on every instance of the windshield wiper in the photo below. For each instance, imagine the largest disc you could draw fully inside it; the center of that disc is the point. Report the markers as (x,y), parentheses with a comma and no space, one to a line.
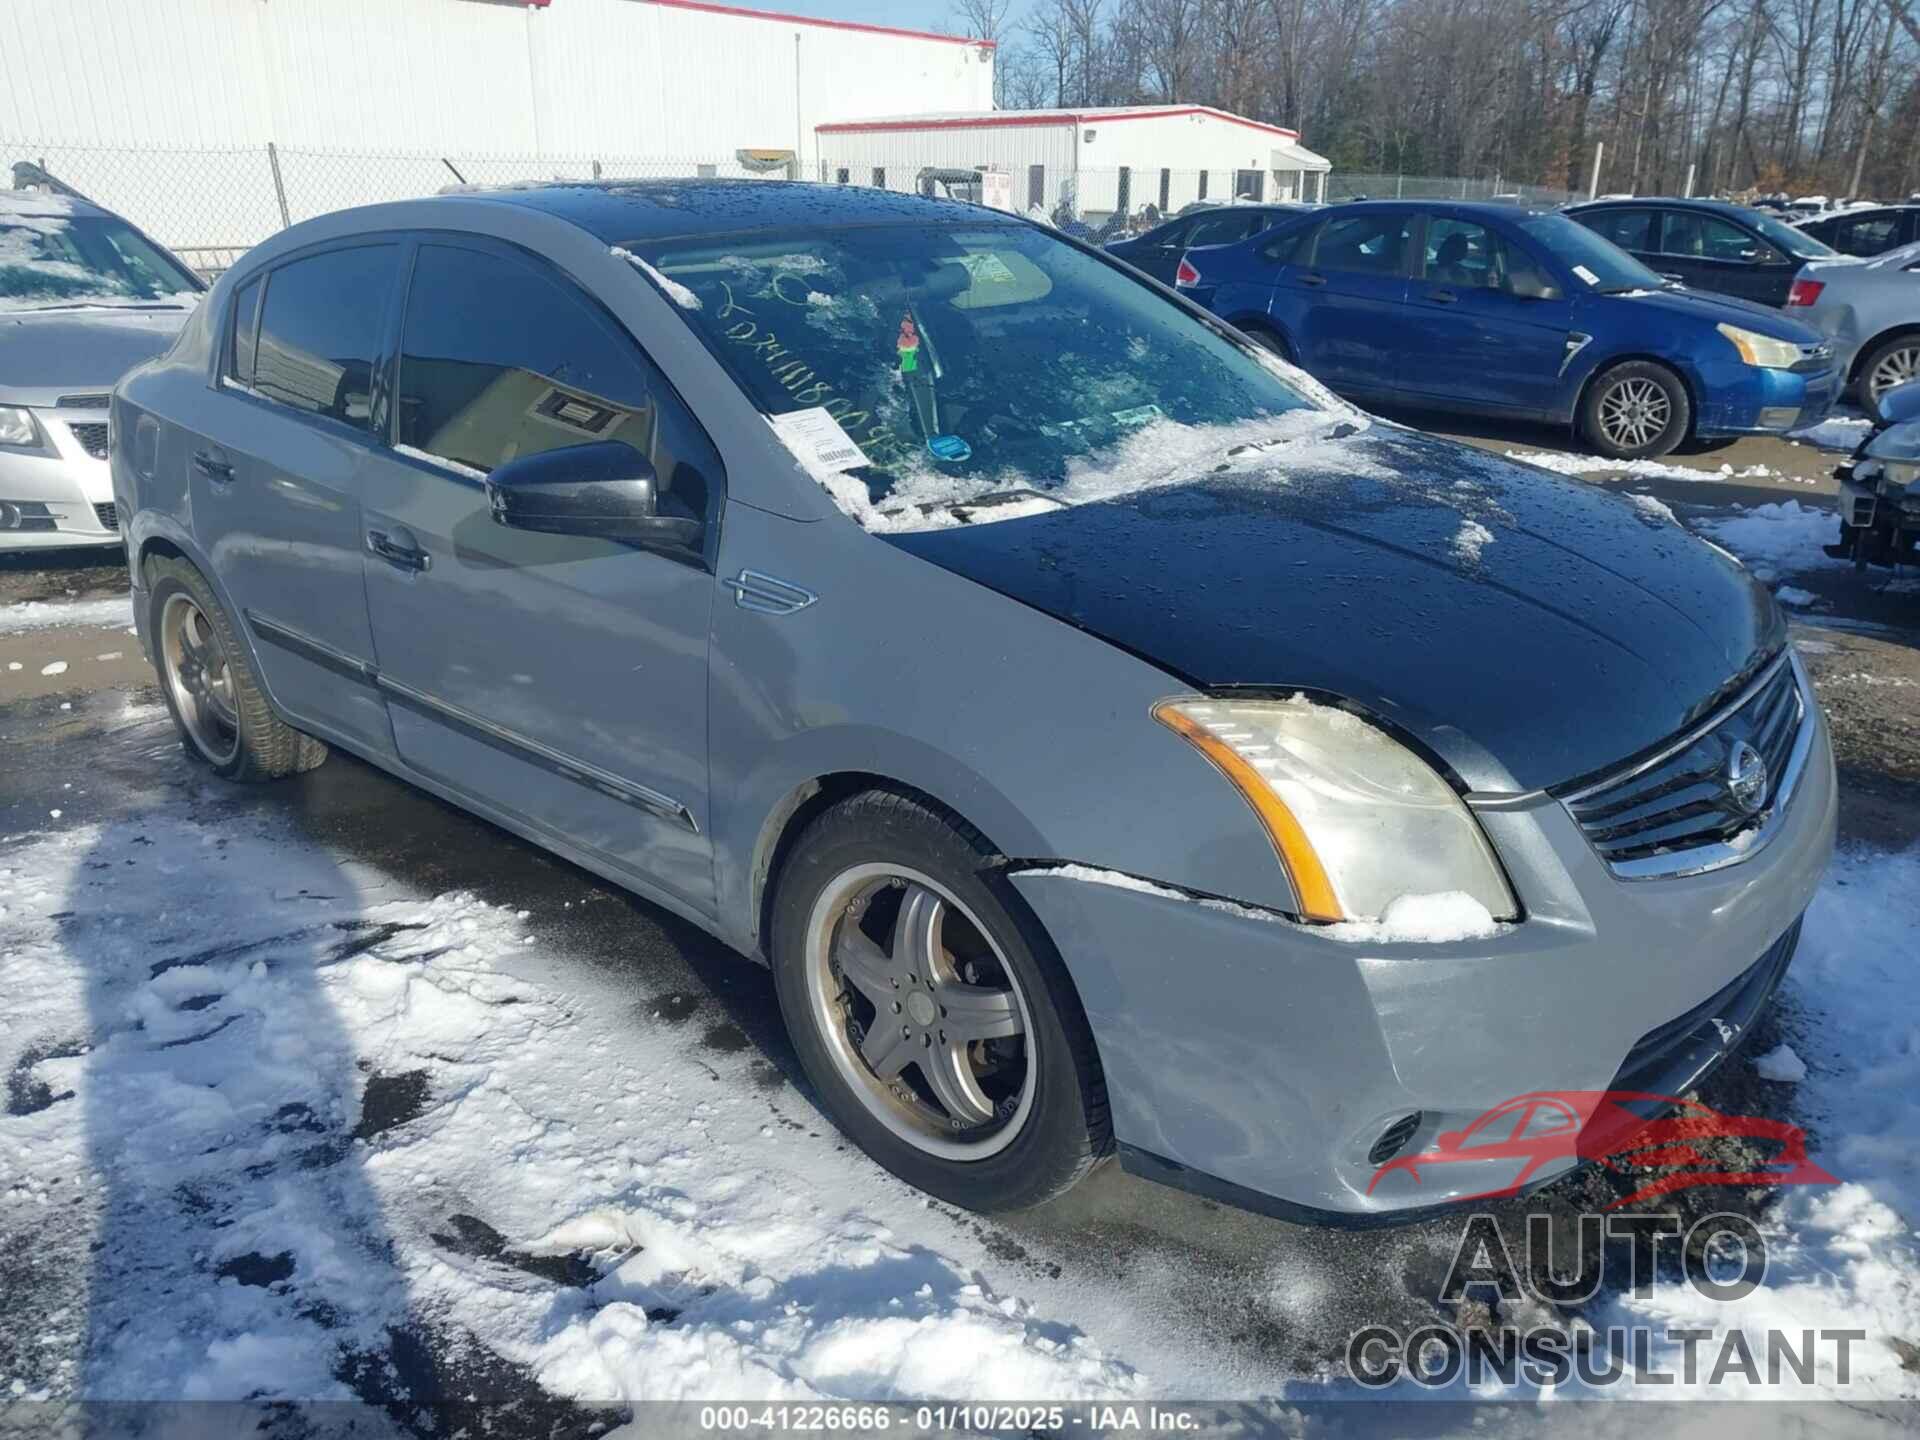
(964,505)
(1339,430)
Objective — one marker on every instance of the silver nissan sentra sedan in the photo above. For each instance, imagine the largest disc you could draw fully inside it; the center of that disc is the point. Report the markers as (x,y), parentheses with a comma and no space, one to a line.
(1111,741)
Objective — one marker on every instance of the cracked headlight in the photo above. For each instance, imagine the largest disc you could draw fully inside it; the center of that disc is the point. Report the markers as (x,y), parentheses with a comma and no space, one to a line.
(1357,819)
(1762,350)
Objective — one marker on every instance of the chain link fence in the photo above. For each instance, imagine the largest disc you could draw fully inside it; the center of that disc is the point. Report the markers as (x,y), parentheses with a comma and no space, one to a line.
(1354,185)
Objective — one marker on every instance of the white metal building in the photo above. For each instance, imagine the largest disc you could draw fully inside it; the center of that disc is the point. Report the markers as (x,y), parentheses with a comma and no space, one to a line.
(667,79)
(1098,160)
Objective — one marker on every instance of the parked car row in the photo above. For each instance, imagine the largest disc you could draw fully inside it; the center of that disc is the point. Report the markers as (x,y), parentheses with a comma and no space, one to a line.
(1515,313)
(987,656)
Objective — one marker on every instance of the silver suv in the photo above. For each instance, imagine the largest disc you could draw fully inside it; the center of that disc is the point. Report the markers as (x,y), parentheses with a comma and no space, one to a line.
(84,297)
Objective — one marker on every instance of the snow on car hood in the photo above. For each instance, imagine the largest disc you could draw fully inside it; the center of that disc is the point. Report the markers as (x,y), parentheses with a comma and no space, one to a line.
(1528,628)
(46,353)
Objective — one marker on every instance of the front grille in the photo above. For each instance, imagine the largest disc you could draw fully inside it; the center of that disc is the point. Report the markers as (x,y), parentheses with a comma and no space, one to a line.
(81,402)
(109,517)
(1659,815)
(92,438)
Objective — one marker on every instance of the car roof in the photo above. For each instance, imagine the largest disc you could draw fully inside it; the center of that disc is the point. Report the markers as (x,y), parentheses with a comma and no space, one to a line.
(1672,202)
(46,202)
(1488,209)
(620,210)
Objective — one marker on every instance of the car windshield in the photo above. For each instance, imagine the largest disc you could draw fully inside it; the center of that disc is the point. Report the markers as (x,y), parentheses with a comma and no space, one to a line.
(1595,261)
(929,365)
(53,259)
(1786,237)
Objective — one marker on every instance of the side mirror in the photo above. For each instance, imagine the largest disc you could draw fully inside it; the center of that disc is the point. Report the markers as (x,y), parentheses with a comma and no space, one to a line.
(606,489)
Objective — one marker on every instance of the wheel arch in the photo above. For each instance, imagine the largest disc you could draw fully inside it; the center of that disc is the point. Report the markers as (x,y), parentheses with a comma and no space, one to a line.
(1688,382)
(796,809)
(1867,347)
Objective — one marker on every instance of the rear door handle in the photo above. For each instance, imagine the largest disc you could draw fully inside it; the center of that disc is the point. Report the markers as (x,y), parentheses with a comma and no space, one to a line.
(1313,279)
(209,464)
(1442,297)
(398,550)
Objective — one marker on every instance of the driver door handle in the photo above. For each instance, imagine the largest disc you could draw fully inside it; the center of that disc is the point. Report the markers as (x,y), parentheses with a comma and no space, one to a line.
(1442,297)
(209,464)
(398,550)
(1313,279)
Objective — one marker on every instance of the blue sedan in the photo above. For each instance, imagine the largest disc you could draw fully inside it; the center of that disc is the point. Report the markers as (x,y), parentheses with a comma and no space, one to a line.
(1518,314)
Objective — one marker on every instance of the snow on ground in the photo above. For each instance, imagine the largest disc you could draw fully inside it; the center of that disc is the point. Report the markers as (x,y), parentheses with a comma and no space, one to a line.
(1841,431)
(1563,463)
(266,1107)
(1785,535)
(24,615)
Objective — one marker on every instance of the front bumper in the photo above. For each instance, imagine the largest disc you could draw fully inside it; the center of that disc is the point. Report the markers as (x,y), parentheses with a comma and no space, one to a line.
(1770,402)
(62,496)
(1261,1060)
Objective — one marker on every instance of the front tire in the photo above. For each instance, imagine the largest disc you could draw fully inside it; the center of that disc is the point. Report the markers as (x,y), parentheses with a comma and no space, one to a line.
(1635,411)
(940,1031)
(209,685)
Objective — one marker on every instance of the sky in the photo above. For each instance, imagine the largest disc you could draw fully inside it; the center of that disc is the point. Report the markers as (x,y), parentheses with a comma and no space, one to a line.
(906,14)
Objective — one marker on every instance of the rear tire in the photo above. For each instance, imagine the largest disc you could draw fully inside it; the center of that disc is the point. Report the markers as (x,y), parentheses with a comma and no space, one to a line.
(1269,341)
(1636,410)
(999,1122)
(1894,361)
(209,684)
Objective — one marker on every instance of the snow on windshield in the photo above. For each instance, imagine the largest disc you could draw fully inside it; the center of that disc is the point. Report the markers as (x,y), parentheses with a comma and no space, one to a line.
(51,255)
(1157,456)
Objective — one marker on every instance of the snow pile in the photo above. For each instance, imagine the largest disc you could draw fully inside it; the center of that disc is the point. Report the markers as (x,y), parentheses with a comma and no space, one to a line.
(1434,919)
(1782,1064)
(675,291)
(1783,535)
(1469,540)
(1653,508)
(267,1110)
(1793,595)
(1836,432)
(1563,463)
(25,615)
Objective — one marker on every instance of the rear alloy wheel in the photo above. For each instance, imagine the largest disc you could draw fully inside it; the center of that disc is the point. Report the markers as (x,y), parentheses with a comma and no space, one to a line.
(208,682)
(1635,411)
(928,1010)
(1889,364)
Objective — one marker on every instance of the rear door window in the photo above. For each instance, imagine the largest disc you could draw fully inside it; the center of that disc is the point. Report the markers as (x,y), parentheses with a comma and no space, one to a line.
(1866,235)
(1364,244)
(1693,236)
(1219,230)
(321,326)
(1629,229)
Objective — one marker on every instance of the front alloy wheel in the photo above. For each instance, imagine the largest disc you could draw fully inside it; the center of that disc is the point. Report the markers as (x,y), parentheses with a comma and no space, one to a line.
(1635,411)
(929,1009)
(920,1012)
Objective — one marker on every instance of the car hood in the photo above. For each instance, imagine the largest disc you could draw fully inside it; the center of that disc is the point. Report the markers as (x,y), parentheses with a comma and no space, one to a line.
(1714,309)
(1527,628)
(45,354)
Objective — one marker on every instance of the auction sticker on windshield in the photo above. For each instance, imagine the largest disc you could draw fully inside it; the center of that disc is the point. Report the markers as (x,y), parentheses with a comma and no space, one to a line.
(817,440)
